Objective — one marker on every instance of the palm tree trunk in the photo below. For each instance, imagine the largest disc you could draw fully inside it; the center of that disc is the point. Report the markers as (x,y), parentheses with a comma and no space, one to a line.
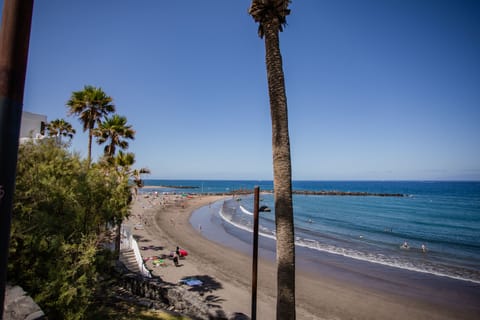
(111,149)
(90,137)
(282,176)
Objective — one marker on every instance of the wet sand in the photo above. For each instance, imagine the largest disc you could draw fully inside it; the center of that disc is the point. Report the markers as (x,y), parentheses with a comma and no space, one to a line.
(331,287)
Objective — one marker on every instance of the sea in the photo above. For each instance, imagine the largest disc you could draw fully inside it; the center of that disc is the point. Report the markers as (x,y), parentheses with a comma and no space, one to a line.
(438,220)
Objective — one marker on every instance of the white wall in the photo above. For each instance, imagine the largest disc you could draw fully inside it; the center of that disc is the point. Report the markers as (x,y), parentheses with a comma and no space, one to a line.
(31,124)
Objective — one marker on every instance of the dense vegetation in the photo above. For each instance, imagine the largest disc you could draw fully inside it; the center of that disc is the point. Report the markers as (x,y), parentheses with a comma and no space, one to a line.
(60,214)
(63,212)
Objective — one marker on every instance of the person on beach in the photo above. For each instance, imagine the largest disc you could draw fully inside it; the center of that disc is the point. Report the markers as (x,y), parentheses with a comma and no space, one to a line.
(177,251)
(175,259)
(424,248)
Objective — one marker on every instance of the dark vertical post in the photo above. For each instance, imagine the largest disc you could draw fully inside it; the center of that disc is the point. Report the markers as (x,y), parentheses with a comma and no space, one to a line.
(255,252)
(14,40)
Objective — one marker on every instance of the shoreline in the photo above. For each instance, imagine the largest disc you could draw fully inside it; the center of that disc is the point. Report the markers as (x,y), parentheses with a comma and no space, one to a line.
(359,294)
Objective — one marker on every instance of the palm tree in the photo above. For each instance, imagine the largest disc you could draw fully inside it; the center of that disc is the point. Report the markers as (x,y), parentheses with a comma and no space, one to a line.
(271,16)
(137,178)
(60,128)
(90,104)
(115,131)
(123,163)
(120,166)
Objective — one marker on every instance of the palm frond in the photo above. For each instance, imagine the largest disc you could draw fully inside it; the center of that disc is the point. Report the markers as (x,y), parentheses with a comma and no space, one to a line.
(269,12)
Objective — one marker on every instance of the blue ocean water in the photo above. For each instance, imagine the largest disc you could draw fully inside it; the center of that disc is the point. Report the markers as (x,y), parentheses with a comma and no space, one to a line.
(442,216)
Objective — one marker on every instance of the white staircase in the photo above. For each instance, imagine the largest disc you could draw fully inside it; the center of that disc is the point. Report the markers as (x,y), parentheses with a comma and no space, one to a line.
(127,257)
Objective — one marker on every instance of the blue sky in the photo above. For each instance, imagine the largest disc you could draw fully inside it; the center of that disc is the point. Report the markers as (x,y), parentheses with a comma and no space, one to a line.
(376,89)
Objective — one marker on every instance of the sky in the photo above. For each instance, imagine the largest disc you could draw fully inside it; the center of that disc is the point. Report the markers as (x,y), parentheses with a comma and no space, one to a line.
(376,89)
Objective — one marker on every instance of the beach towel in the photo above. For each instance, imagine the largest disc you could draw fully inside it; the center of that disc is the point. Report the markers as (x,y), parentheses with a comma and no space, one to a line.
(159,262)
(192,282)
(150,258)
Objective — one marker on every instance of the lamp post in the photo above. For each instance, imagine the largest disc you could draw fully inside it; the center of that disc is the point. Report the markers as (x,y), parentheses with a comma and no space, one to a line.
(256,201)
(14,40)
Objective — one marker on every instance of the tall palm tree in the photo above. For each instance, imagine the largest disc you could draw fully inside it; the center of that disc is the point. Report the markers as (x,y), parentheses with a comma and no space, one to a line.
(90,104)
(271,16)
(60,128)
(114,131)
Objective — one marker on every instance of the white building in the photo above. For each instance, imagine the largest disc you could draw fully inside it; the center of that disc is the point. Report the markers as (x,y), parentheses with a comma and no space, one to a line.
(32,126)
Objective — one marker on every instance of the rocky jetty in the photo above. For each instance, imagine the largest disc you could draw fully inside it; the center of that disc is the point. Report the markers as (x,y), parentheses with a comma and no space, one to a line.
(319,193)
(238,192)
(177,187)
(346,193)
